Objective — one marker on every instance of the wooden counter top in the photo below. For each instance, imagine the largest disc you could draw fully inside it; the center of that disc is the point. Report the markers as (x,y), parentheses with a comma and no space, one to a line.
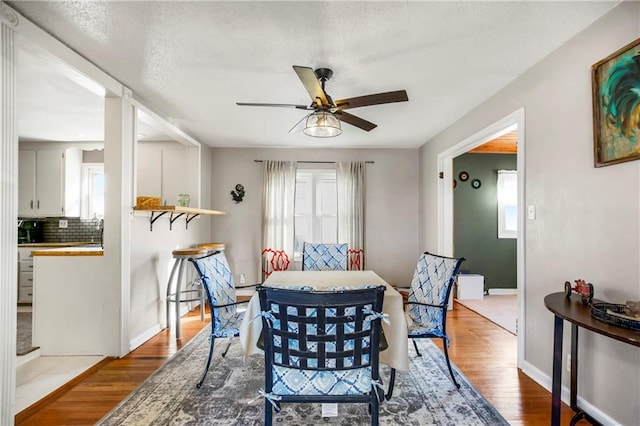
(175,212)
(70,251)
(178,209)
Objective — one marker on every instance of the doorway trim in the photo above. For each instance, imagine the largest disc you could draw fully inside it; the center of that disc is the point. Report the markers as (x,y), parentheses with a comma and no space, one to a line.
(514,121)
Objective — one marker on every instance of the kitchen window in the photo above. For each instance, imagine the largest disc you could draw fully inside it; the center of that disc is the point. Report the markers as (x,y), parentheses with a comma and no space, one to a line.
(316,209)
(92,191)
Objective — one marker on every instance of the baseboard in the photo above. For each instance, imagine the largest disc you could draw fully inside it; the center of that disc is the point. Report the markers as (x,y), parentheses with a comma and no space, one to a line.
(544,380)
(502,291)
(146,335)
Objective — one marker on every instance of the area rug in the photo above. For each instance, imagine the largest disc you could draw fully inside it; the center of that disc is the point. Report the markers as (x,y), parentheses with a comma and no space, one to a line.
(500,309)
(424,395)
(23,334)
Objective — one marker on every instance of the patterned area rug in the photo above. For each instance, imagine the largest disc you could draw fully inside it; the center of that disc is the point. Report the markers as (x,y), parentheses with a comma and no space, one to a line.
(23,334)
(424,395)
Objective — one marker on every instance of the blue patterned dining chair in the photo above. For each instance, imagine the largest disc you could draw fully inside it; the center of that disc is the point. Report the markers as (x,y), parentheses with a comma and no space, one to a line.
(428,302)
(217,281)
(324,257)
(321,347)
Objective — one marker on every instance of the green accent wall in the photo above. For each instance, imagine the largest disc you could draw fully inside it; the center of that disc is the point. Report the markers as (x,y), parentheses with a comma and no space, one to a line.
(476,220)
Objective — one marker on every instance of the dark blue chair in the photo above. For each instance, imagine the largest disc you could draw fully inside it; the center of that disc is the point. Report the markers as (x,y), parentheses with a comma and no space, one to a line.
(324,257)
(428,302)
(321,347)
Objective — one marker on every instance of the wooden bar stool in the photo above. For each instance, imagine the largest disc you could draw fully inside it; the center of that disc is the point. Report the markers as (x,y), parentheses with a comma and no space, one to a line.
(175,294)
(212,247)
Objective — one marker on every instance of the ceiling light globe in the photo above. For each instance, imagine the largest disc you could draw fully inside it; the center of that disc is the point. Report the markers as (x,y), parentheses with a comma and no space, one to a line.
(322,125)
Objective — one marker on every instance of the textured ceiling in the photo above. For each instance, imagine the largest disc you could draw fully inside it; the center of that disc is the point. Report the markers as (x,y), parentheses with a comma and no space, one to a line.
(191,61)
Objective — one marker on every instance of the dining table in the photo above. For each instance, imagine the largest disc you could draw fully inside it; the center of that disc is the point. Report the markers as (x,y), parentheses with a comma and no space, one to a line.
(395,329)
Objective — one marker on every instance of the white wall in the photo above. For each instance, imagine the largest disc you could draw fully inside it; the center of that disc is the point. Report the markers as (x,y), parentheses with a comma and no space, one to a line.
(391,205)
(151,259)
(587,218)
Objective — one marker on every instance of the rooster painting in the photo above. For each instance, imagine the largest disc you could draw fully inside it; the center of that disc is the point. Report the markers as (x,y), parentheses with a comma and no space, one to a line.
(238,194)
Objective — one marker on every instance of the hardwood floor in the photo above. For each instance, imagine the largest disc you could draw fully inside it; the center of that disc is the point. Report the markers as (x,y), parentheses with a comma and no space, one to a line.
(484,352)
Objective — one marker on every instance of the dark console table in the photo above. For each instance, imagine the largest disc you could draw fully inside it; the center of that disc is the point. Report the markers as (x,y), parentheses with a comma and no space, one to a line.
(571,309)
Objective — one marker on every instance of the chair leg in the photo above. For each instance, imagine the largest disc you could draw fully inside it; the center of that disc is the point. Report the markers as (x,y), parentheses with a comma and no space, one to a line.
(392,381)
(446,355)
(374,406)
(268,413)
(227,348)
(206,368)
(415,345)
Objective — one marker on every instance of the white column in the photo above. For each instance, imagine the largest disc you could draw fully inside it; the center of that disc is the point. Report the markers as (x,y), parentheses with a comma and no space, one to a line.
(119,127)
(8,217)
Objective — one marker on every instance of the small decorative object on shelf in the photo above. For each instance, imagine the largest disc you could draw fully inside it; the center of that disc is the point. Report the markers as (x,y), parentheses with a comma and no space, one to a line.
(585,290)
(626,316)
(184,200)
(143,201)
(238,194)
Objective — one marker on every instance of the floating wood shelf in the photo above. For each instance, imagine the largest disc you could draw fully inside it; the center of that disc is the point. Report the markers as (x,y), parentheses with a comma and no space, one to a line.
(175,212)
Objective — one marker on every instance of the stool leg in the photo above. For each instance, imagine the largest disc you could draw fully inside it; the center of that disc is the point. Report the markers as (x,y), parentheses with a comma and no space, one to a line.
(169,284)
(178,292)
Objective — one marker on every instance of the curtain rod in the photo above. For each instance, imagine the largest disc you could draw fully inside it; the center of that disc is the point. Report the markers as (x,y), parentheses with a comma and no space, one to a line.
(318,162)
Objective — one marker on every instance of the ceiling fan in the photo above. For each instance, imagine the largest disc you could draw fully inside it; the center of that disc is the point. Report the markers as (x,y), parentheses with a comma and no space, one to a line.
(325,119)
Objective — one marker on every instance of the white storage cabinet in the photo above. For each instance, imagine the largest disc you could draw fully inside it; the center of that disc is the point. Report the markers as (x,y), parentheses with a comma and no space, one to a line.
(470,286)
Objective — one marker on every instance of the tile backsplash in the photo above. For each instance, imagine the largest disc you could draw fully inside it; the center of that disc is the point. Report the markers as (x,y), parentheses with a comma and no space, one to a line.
(77,230)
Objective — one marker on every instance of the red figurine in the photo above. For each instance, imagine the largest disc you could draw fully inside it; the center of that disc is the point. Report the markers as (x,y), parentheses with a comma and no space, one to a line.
(585,290)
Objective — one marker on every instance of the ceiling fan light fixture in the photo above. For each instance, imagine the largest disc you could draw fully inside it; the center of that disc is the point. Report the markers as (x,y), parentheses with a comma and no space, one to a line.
(322,124)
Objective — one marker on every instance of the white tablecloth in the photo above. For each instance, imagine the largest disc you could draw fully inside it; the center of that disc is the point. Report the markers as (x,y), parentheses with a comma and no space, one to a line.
(395,356)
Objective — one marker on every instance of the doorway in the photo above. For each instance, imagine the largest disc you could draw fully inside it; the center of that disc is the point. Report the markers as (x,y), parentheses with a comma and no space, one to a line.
(511,123)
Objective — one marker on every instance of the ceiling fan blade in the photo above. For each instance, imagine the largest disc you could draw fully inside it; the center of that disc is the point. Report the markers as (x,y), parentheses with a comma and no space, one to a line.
(355,121)
(377,99)
(311,83)
(305,107)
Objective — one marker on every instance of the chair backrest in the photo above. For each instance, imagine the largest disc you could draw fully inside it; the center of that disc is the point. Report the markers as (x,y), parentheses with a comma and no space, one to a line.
(217,281)
(431,284)
(274,260)
(356,259)
(324,257)
(337,332)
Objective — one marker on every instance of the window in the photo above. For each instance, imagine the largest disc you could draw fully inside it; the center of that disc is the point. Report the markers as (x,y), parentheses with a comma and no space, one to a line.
(507,204)
(92,190)
(316,209)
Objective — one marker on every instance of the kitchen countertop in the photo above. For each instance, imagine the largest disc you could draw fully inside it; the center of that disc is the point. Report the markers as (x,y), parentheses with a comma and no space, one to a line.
(93,250)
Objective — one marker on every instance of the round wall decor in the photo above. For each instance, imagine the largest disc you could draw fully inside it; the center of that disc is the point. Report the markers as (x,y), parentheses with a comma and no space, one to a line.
(475,184)
(463,176)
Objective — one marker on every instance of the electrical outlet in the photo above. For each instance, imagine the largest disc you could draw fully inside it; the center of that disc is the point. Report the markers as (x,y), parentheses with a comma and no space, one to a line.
(568,363)
(242,278)
(63,223)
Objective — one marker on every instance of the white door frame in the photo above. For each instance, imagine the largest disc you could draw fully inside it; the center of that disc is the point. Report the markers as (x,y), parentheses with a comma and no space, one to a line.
(514,121)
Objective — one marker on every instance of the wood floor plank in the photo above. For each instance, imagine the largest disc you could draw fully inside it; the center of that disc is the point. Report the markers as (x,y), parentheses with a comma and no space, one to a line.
(483,351)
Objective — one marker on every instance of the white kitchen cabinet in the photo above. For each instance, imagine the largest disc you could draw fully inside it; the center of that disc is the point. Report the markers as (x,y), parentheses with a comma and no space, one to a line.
(42,184)
(166,170)
(25,275)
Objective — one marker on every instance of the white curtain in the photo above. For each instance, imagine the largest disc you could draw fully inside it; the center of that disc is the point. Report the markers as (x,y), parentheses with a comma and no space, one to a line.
(350,185)
(278,195)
